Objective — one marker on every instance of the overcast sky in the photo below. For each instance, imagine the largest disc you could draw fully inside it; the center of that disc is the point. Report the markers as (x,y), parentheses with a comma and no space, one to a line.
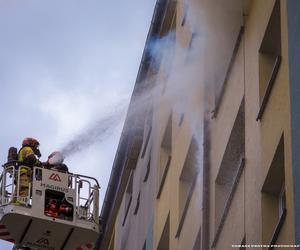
(65,64)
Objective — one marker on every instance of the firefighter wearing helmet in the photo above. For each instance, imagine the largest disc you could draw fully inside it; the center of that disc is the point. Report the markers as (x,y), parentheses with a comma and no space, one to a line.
(55,162)
(28,155)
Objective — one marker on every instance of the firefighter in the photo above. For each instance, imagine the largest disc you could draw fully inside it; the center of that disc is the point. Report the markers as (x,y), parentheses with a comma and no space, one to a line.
(55,162)
(28,155)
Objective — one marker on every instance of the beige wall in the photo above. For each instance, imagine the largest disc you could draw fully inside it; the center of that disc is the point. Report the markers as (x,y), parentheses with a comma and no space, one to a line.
(262,137)
(181,95)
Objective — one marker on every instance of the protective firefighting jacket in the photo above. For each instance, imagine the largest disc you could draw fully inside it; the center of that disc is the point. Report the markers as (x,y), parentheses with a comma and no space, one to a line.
(27,156)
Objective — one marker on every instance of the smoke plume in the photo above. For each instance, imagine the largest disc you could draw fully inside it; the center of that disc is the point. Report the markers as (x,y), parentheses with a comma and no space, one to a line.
(185,70)
(96,132)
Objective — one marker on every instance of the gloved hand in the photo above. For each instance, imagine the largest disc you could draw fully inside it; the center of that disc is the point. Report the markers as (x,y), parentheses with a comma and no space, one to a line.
(45,164)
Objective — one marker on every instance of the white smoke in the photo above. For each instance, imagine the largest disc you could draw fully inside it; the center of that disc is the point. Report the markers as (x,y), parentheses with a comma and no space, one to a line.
(97,131)
(186,71)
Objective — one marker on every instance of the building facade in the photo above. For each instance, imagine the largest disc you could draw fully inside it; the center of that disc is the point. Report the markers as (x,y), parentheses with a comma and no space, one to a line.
(208,155)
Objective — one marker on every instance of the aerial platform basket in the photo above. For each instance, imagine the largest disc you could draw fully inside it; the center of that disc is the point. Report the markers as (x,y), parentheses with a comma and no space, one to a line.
(59,211)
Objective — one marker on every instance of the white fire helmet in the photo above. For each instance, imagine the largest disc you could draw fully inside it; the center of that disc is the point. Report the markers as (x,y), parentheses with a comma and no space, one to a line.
(56,158)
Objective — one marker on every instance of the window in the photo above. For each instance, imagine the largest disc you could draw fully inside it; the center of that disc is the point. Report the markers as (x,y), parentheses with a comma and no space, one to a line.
(147,131)
(181,119)
(164,242)
(165,155)
(192,56)
(164,46)
(220,90)
(169,23)
(111,245)
(273,197)
(136,209)
(134,151)
(243,243)
(128,198)
(168,42)
(187,182)
(269,58)
(146,142)
(149,237)
(230,171)
(147,170)
(197,245)
(282,201)
(185,12)
(226,22)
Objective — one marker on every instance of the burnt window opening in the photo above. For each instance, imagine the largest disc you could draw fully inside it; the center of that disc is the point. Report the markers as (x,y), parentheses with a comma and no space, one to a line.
(269,58)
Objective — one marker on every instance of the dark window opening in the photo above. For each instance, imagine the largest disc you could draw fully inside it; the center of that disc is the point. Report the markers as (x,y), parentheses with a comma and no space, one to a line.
(243,243)
(128,197)
(168,41)
(165,155)
(136,209)
(164,242)
(269,58)
(273,197)
(185,12)
(147,170)
(146,142)
(187,182)
(197,244)
(181,119)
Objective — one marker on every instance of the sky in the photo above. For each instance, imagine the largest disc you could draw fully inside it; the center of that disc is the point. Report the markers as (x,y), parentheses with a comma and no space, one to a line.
(64,66)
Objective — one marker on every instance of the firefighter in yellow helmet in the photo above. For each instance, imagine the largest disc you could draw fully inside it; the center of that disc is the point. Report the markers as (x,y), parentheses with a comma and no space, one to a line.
(28,155)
